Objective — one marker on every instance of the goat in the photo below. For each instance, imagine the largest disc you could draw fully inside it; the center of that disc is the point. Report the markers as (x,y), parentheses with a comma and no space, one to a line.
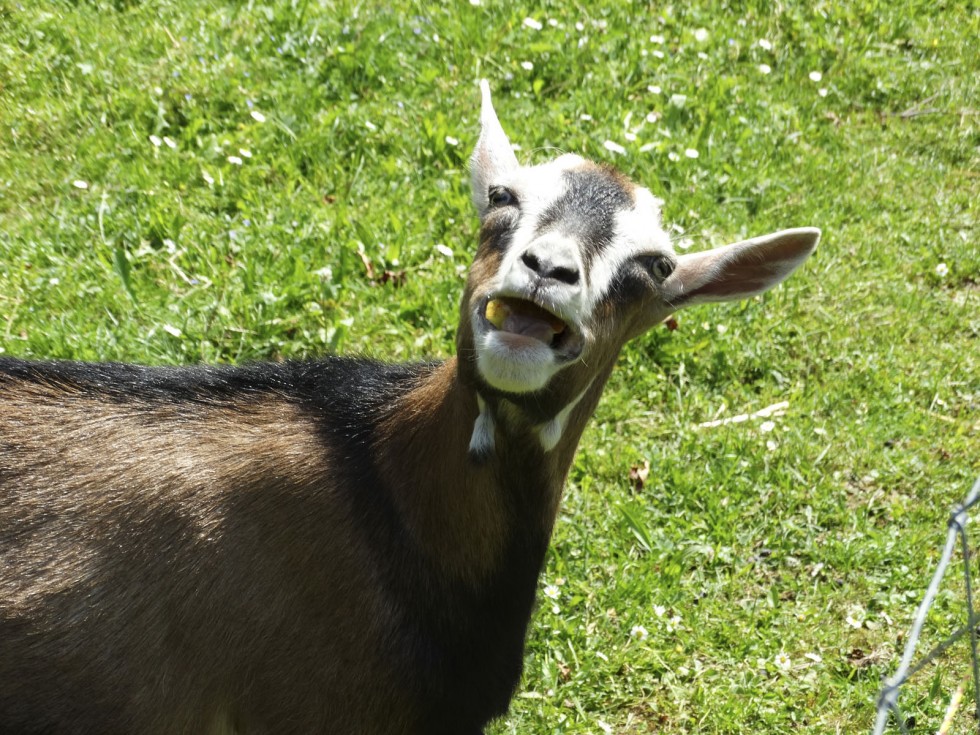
(336,545)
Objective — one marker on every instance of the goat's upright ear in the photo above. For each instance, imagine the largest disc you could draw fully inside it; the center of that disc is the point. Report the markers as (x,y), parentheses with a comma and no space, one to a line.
(740,270)
(493,155)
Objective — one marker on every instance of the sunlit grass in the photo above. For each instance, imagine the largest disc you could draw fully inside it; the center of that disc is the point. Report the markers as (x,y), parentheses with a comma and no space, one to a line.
(210,181)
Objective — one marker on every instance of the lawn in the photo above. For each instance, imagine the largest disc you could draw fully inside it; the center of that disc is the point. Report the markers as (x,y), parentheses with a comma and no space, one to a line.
(223,182)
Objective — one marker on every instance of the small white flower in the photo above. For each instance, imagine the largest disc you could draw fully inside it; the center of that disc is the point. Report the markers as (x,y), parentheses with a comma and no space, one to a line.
(659,54)
(782,661)
(324,274)
(765,68)
(54,281)
(169,142)
(552,592)
(172,330)
(207,177)
(942,270)
(613,147)
(702,55)
(722,328)
(691,153)
(579,26)
(79,184)
(156,141)
(585,117)
(654,89)
(450,140)
(257,116)
(555,609)
(631,137)
(245,152)
(684,243)
(771,445)
(763,43)
(673,624)
(652,117)
(533,24)
(235,160)
(659,610)
(822,91)
(475,3)
(701,35)
(444,250)
(639,632)
(552,22)
(855,618)
(656,39)
(527,65)
(766,426)
(815,76)
(673,156)
(370,125)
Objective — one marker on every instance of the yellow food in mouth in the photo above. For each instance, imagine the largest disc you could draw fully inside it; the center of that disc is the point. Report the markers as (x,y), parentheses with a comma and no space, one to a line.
(500,309)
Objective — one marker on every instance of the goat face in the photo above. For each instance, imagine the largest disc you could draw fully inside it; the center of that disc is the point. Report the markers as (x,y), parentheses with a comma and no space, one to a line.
(573,262)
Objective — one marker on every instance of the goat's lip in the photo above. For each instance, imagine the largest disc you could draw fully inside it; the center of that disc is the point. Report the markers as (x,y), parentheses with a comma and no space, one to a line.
(526,319)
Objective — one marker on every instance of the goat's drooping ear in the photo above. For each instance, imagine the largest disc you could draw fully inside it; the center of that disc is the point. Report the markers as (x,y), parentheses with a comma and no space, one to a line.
(493,155)
(741,270)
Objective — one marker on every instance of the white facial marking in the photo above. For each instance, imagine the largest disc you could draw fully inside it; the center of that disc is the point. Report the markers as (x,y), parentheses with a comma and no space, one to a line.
(638,232)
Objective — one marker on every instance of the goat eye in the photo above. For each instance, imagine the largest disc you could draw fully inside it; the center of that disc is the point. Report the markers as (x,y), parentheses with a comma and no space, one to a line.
(498,196)
(659,266)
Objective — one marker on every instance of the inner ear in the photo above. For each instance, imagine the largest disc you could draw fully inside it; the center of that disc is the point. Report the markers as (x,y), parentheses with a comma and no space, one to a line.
(493,158)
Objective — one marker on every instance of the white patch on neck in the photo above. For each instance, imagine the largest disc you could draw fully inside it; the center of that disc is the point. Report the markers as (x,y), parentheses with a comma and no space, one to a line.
(550,433)
(482,441)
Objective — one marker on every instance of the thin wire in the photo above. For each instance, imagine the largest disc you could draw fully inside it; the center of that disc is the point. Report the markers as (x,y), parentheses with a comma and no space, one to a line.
(888,698)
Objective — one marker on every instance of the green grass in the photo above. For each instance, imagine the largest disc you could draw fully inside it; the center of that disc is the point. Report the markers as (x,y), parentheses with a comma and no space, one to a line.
(757,545)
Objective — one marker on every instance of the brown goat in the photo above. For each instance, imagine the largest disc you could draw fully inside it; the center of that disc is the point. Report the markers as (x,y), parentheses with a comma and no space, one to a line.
(333,546)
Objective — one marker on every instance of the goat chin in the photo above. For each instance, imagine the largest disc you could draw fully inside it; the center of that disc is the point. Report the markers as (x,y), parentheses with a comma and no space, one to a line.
(337,545)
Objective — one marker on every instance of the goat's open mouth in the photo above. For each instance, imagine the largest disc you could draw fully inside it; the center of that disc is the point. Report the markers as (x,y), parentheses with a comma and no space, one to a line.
(527,320)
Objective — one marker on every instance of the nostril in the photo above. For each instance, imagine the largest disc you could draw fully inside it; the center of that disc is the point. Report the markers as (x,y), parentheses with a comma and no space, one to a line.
(531,261)
(565,275)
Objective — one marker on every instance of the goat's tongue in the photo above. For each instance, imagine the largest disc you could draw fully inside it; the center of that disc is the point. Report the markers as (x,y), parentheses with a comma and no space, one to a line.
(522,317)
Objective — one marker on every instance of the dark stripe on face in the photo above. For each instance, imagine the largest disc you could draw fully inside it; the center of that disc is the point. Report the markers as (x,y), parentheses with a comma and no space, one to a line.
(587,209)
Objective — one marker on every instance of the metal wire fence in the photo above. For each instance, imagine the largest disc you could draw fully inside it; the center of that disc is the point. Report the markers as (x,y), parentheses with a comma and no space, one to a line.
(888,707)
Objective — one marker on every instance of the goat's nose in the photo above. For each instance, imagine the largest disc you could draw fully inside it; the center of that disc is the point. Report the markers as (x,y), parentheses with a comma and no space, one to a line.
(552,261)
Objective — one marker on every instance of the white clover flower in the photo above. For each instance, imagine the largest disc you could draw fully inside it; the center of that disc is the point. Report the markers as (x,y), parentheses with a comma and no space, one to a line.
(765,68)
(527,65)
(782,661)
(257,116)
(613,147)
(639,632)
(815,76)
(534,25)
(552,592)
(942,270)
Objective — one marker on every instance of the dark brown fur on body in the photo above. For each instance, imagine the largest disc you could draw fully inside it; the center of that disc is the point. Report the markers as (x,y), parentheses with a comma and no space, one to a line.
(217,550)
